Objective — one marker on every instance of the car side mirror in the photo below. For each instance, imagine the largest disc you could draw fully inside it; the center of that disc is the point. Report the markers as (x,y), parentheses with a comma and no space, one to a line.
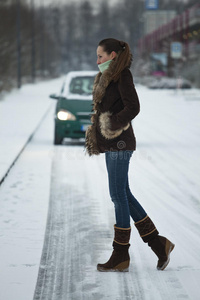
(54,96)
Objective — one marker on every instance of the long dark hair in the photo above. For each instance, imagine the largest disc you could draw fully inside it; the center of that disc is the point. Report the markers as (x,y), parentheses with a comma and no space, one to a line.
(124,56)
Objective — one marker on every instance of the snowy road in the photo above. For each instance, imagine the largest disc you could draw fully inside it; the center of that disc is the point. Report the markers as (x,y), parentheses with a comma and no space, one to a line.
(164,176)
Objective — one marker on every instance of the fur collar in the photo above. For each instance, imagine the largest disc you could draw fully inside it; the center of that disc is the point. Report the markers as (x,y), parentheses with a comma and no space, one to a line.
(102,81)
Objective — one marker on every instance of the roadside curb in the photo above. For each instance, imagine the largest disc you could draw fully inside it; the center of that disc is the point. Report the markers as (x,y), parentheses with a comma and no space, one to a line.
(25,144)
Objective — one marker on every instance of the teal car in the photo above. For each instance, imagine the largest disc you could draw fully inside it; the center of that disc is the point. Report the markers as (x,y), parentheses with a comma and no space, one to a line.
(74,105)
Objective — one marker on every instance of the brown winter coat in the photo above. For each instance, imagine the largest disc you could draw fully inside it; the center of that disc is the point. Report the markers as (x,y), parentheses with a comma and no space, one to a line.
(115,104)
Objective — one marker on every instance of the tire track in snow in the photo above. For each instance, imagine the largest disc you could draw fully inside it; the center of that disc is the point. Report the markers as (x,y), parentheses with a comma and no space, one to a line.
(77,235)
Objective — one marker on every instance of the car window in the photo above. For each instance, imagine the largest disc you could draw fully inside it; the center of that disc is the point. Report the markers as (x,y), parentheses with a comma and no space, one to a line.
(81,85)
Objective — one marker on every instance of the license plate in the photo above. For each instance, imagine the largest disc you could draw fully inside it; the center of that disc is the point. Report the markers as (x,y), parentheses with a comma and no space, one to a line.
(84,127)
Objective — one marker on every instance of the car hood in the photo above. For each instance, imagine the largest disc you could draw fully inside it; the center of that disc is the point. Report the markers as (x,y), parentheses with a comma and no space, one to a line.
(75,106)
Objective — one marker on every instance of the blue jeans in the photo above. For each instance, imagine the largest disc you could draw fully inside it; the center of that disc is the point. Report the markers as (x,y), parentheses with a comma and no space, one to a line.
(125,203)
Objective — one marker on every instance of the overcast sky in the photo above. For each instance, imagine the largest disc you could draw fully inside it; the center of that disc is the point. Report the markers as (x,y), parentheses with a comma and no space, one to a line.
(59,2)
(93,2)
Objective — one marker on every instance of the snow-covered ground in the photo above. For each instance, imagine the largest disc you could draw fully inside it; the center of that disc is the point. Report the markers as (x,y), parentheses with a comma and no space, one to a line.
(63,190)
(20,113)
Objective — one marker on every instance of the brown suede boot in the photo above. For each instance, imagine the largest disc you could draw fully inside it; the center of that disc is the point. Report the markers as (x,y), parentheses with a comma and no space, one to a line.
(160,245)
(120,259)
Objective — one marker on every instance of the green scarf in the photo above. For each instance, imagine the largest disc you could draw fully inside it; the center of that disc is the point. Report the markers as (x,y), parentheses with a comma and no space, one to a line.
(104,66)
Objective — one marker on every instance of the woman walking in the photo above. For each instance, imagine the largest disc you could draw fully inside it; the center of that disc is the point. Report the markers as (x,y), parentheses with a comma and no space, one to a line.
(115,104)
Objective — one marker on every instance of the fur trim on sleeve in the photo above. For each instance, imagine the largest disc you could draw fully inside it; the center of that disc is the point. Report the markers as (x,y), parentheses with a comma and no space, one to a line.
(91,142)
(126,127)
(105,125)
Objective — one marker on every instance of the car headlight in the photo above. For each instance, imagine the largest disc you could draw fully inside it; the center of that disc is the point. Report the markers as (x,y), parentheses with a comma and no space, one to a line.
(65,115)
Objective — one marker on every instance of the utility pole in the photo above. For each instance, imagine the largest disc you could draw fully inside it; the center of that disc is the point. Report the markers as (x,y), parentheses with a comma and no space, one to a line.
(32,41)
(42,42)
(18,44)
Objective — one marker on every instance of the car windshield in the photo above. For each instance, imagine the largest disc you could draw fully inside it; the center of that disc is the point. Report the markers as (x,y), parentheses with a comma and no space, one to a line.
(81,85)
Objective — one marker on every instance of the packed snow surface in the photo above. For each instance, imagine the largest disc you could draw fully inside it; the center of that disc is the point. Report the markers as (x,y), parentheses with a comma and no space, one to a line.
(56,216)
